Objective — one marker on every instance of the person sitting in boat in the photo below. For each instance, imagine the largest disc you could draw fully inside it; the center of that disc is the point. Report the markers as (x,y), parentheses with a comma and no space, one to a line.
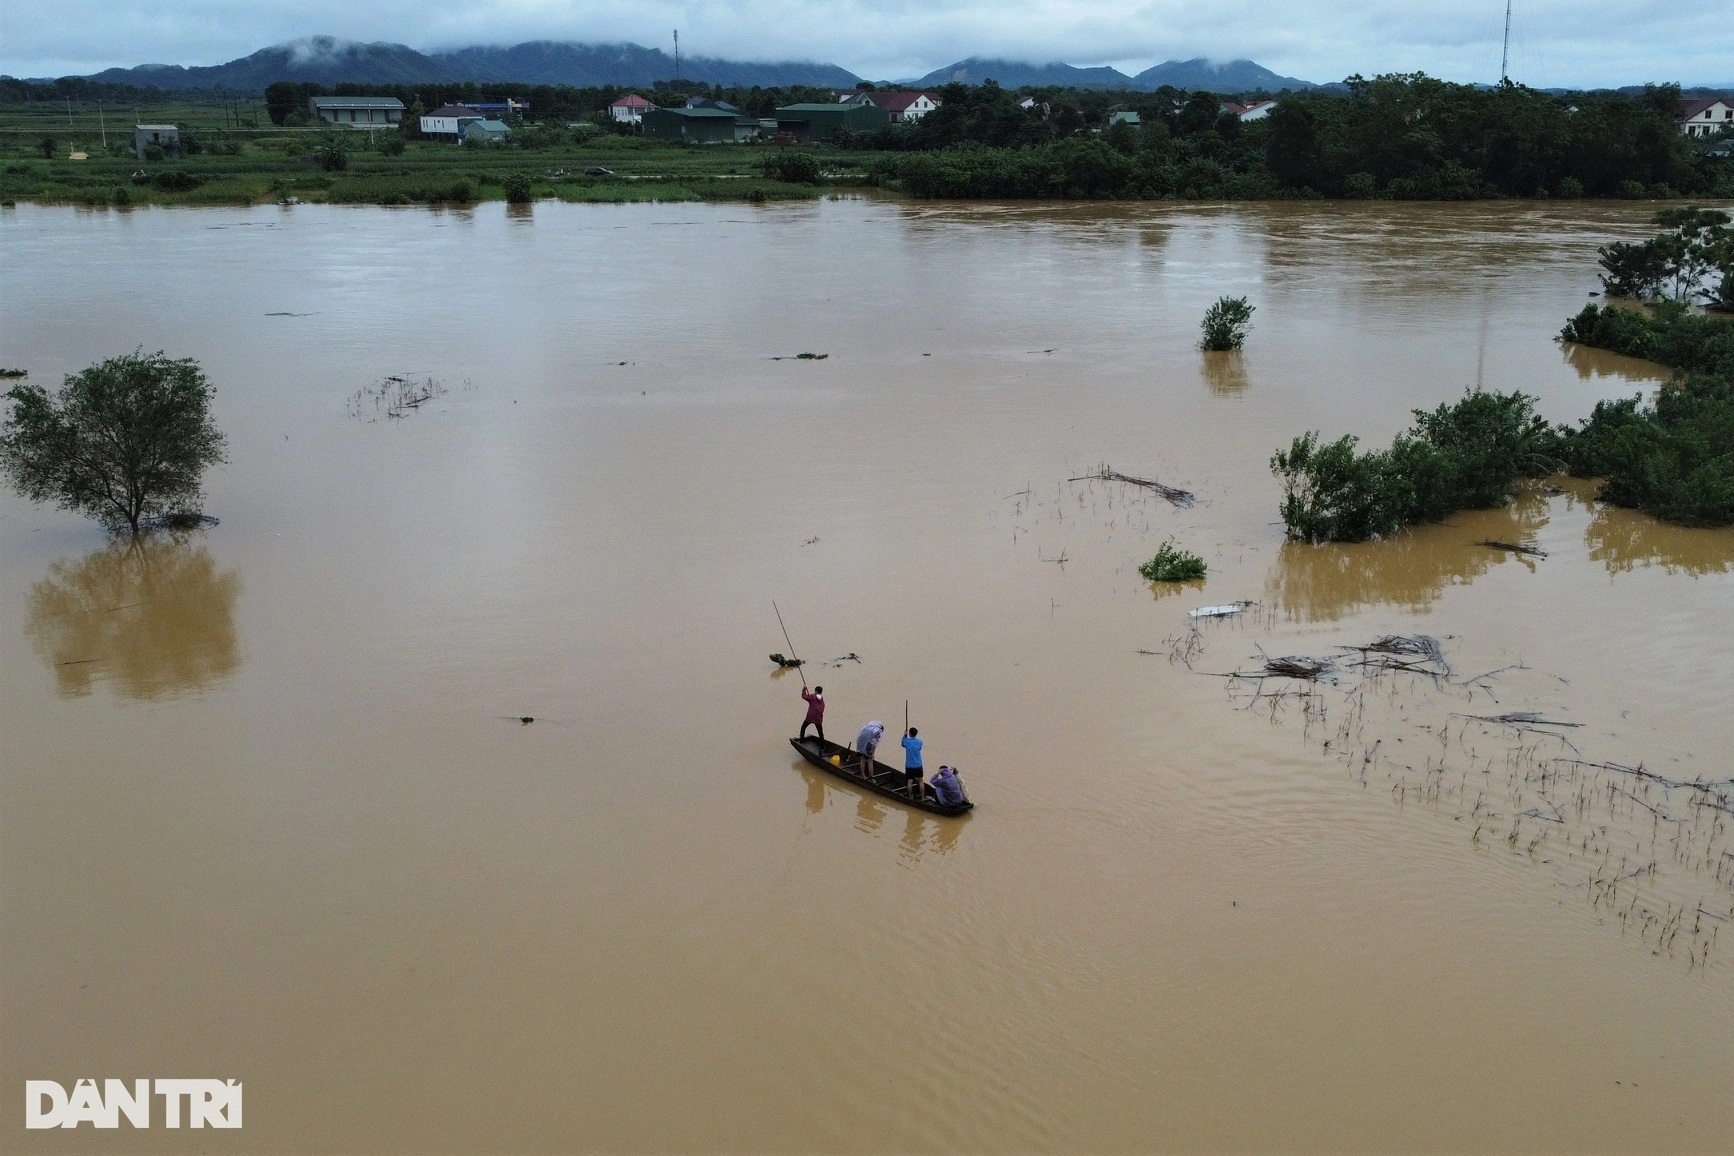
(912,762)
(947,788)
(866,743)
(815,711)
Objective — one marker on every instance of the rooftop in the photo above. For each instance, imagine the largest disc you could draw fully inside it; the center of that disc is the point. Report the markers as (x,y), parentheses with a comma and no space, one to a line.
(356,102)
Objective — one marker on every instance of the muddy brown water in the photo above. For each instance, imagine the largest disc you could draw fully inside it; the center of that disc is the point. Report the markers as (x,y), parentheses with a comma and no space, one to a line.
(267,813)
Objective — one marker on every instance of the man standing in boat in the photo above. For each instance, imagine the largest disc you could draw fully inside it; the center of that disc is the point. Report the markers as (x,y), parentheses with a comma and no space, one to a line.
(815,711)
(912,762)
(866,743)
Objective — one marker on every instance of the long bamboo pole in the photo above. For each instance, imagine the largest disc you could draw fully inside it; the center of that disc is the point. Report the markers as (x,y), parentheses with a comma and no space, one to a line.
(802,670)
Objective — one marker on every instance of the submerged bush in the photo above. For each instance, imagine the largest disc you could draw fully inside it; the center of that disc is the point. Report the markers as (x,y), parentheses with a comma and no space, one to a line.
(1465,456)
(1674,459)
(518,189)
(798,166)
(1225,324)
(1172,564)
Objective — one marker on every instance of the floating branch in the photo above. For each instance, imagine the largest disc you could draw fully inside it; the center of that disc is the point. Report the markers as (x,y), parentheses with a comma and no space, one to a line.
(1185,499)
(1513,547)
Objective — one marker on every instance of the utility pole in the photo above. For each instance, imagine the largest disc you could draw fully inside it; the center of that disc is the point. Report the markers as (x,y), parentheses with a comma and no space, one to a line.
(677,54)
(104,123)
(69,114)
(1505,48)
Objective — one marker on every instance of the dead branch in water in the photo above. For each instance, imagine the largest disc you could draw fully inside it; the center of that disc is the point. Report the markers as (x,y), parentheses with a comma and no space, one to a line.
(1185,499)
(1512,547)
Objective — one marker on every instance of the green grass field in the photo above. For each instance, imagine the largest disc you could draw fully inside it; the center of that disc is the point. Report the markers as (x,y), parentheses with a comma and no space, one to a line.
(243,163)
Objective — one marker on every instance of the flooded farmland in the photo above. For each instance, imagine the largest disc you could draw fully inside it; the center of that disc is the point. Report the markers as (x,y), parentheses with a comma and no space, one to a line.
(268,810)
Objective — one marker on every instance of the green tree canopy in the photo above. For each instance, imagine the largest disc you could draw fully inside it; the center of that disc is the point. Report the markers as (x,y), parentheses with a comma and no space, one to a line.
(124,441)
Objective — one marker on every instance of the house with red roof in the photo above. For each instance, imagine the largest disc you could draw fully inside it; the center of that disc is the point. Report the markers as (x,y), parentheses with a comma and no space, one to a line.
(1706,117)
(1257,110)
(630,109)
(902,107)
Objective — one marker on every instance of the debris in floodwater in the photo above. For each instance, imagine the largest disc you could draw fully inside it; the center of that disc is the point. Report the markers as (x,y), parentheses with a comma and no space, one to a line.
(803,357)
(1416,653)
(839,661)
(1522,551)
(781,661)
(1221,611)
(1520,718)
(810,541)
(1298,666)
(1185,499)
(394,396)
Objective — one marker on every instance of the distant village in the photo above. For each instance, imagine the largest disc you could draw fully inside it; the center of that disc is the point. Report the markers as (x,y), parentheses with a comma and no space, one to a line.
(703,120)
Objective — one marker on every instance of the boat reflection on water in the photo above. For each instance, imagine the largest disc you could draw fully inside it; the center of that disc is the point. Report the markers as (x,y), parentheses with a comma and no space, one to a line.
(921,832)
(1410,569)
(154,617)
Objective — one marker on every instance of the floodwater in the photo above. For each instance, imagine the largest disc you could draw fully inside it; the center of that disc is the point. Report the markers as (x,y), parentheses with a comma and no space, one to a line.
(269,813)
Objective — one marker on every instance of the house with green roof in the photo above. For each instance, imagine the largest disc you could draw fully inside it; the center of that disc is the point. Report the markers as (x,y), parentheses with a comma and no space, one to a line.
(825,121)
(699,125)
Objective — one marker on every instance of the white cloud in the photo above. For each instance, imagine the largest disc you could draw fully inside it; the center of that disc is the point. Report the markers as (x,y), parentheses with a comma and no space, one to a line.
(1314,39)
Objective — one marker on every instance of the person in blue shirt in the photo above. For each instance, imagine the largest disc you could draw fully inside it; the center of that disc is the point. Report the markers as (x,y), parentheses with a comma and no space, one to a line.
(947,788)
(912,762)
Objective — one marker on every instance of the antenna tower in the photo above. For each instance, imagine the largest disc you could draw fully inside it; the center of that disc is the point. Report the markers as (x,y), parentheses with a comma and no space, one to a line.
(1505,47)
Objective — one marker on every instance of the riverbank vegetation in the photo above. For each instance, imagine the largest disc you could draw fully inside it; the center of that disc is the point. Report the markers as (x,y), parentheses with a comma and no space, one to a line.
(1672,458)
(1398,137)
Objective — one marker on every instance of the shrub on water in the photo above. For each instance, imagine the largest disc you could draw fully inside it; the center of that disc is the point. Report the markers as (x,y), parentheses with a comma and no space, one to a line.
(1225,324)
(1172,564)
(518,189)
(1464,456)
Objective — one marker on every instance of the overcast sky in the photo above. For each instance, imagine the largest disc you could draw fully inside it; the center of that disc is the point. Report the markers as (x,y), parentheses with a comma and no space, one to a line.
(1553,42)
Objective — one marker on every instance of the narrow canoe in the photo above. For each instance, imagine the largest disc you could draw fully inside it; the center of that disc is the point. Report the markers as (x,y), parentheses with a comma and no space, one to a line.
(882,780)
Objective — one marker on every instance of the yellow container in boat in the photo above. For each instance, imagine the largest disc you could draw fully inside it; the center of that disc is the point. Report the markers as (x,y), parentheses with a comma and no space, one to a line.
(836,760)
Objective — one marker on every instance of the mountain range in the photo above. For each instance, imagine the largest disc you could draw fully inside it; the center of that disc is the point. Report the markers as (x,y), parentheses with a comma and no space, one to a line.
(330,61)
(327,60)
(1233,76)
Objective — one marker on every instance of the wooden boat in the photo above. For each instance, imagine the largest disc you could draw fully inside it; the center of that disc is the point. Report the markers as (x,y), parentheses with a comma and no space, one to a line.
(877,778)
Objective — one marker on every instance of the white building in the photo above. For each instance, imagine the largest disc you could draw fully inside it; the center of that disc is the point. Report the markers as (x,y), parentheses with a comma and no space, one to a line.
(1706,117)
(1257,110)
(448,120)
(630,109)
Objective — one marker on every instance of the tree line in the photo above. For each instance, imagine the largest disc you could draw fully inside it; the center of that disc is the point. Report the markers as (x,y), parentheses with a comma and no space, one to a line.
(1402,137)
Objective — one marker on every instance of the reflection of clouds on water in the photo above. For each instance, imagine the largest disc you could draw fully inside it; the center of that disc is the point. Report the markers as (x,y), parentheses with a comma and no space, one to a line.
(1410,569)
(1623,540)
(154,616)
(1225,372)
(1591,363)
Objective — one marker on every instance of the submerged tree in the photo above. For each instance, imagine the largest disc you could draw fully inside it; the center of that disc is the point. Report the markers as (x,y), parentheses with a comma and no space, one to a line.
(1225,324)
(126,440)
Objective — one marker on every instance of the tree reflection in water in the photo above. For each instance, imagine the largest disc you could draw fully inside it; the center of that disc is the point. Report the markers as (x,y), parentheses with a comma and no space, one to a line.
(1623,540)
(1225,372)
(152,615)
(1410,569)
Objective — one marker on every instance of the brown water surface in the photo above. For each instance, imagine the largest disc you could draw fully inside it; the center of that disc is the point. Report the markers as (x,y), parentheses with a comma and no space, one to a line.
(267,811)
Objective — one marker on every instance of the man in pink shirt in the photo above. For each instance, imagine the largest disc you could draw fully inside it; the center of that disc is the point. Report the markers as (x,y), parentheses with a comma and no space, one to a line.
(815,710)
